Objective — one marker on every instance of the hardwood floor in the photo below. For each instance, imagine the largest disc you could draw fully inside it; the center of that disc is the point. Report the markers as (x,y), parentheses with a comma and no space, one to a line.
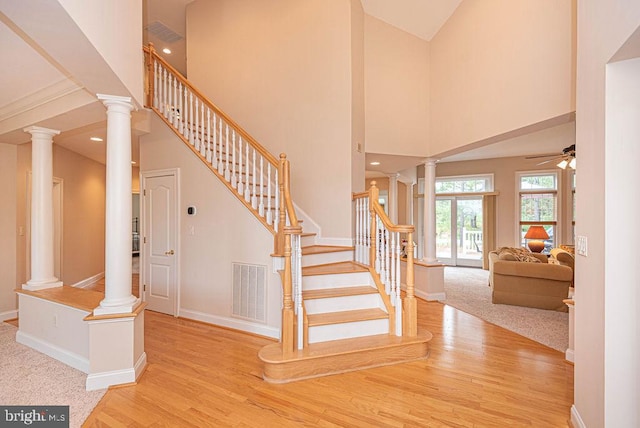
(477,375)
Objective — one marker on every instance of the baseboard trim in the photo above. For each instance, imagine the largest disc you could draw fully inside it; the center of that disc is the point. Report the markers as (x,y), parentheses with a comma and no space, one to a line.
(233,323)
(69,358)
(8,315)
(569,355)
(116,377)
(88,281)
(430,297)
(576,420)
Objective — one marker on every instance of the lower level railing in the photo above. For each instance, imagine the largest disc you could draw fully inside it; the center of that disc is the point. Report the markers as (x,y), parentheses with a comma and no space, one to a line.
(378,244)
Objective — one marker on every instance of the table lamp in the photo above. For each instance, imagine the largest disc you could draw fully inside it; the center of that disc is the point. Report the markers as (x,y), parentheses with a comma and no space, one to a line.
(536,235)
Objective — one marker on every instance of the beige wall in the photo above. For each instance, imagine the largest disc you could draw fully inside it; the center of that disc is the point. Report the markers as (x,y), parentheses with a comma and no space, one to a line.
(397,90)
(497,66)
(504,172)
(114,27)
(283,70)
(8,231)
(83,213)
(357,96)
(603,27)
(382,183)
(224,231)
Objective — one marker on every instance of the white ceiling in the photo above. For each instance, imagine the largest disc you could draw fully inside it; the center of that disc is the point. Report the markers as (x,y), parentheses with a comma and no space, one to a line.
(28,81)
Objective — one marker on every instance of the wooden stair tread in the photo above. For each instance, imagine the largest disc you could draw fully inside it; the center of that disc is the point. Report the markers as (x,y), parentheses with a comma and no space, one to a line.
(321,249)
(333,268)
(324,293)
(346,316)
(273,353)
(309,234)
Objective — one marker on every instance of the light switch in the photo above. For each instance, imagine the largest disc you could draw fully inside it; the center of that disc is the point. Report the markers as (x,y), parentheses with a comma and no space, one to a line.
(581,246)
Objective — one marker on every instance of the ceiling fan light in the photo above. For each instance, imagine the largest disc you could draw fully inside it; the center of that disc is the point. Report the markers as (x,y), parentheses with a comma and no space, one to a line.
(563,164)
(572,164)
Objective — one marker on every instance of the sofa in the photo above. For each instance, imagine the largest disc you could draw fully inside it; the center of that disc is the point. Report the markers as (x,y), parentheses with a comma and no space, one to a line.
(564,258)
(518,277)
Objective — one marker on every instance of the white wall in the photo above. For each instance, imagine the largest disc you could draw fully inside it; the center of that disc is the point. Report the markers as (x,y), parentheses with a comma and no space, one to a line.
(283,70)
(397,90)
(603,27)
(8,230)
(497,66)
(224,232)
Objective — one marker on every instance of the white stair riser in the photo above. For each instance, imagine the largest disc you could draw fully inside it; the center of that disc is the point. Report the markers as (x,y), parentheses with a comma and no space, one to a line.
(307,241)
(325,333)
(336,280)
(343,303)
(325,258)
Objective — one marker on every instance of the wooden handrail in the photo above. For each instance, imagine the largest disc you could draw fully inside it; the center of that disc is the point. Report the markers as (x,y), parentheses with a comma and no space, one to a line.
(151,51)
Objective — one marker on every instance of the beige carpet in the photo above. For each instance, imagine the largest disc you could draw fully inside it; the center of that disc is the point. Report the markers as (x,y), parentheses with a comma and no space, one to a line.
(467,289)
(29,377)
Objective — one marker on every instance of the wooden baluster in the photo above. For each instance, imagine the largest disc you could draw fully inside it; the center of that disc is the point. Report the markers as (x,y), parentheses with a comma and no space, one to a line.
(192,131)
(214,148)
(170,84)
(261,200)
(165,93)
(185,114)
(160,92)
(247,187)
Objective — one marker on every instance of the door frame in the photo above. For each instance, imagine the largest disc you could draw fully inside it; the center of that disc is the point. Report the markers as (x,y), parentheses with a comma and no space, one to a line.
(453,260)
(144,176)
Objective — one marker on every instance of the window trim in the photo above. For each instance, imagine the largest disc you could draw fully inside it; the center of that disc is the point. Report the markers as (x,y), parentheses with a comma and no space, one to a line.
(488,177)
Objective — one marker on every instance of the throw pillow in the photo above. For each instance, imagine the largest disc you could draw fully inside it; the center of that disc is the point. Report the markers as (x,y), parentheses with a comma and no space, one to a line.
(517,254)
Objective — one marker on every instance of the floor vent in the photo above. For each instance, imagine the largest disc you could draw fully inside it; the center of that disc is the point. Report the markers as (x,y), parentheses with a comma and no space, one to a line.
(249,292)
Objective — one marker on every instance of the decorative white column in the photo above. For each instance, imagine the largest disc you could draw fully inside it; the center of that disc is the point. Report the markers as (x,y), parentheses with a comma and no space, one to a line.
(429,254)
(393,198)
(42,272)
(118,297)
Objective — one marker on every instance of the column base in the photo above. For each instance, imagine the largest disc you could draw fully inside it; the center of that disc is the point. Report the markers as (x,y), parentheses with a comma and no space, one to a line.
(41,285)
(122,308)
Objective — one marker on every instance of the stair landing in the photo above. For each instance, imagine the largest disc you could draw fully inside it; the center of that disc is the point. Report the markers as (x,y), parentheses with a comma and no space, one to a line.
(341,356)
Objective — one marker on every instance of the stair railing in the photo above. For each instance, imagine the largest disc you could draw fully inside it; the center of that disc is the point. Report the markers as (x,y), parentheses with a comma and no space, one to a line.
(247,168)
(378,244)
(254,175)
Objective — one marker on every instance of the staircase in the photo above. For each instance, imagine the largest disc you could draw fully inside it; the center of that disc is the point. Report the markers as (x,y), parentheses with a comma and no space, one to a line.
(342,306)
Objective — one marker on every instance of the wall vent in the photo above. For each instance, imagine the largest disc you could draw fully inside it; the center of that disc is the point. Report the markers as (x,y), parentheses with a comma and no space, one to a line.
(163,32)
(249,295)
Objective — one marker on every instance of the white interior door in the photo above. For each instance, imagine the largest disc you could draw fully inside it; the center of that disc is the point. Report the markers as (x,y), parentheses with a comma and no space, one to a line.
(160,243)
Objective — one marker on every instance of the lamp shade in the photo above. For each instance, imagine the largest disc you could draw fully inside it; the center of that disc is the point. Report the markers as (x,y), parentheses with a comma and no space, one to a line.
(536,232)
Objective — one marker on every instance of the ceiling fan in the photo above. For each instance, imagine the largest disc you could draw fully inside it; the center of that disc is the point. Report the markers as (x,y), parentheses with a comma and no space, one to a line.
(566,158)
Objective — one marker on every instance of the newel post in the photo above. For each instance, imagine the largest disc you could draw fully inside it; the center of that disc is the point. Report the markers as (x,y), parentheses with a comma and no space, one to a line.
(287,305)
(150,75)
(374,193)
(410,305)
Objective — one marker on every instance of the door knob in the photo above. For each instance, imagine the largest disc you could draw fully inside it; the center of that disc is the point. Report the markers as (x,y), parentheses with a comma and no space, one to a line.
(168,253)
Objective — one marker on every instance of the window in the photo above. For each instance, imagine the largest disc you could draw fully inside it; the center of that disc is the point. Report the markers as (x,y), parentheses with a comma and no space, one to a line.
(464,184)
(538,204)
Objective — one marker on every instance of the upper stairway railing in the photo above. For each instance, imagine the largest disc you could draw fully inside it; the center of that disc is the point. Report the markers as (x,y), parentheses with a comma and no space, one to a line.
(253,174)
(378,244)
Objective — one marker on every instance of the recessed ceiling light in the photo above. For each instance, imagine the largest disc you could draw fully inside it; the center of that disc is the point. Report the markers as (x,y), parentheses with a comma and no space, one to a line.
(96,139)
(167,51)
(375,163)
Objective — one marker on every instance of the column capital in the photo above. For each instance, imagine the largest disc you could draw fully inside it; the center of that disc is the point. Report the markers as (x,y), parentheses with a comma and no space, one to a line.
(430,161)
(393,175)
(116,101)
(38,130)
